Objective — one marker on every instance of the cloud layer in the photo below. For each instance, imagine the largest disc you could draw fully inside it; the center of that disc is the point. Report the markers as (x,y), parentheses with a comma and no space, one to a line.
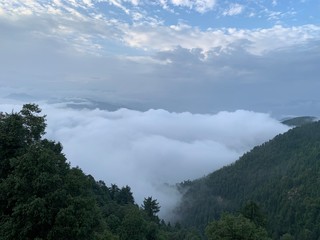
(145,150)
(89,26)
(89,49)
(202,56)
(142,59)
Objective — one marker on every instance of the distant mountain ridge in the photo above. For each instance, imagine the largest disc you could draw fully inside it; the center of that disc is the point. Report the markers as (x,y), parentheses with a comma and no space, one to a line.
(299,121)
(70,102)
(282,176)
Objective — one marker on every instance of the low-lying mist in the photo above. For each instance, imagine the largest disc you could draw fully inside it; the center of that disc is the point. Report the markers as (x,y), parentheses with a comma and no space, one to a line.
(153,150)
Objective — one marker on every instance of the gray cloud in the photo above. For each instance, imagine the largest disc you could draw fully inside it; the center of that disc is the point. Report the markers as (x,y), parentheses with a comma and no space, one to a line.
(72,49)
(63,55)
(177,80)
(147,149)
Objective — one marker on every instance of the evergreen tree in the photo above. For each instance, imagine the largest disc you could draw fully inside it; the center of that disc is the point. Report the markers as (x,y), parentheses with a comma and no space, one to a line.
(231,227)
(151,208)
(42,197)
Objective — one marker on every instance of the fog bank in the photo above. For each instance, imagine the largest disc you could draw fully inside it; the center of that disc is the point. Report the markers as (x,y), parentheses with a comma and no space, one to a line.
(150,150)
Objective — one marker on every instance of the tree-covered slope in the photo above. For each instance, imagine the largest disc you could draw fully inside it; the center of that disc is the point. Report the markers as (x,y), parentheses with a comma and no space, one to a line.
(282,176)
(299,121)
(43,197)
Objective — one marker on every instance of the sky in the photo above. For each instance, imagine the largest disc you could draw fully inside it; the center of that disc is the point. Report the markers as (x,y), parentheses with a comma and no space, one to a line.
(201,56)
(151,92)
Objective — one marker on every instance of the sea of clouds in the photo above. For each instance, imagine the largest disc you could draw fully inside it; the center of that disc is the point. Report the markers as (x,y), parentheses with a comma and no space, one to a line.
(151,151)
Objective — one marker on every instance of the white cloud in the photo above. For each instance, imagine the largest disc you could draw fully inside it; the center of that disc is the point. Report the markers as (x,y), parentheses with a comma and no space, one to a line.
(149,33)
(164,4)
(95,53)
(277,37)
(147,149)
(88,3)
(57,2)
(134,2)
(234,9)
(257,41)
(201,6)
(121,4)
(117,3)
(204,81)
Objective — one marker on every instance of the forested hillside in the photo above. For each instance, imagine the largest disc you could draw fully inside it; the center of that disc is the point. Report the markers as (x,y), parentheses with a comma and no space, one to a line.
(270,192)
(299,121)
(281,178)
(42,197)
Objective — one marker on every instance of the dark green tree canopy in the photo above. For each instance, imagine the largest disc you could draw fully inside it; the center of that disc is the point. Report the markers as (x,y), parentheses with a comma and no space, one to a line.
(33,123)
(151,208)
(253,212)
(231,227)
(43,198)
(281,177)
(17,132)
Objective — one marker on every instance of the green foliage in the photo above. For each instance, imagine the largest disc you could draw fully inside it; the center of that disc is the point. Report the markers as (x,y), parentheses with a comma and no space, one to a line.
(231,227)
(280,176)
(151,208)
(253,212)
(133,226)
(286,236)
(17,131)
(46,199)
(34,125)
(125,196)
(42,197)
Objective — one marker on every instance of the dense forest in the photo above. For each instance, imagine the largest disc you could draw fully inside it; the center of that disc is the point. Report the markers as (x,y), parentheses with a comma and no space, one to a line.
(271,192)
(43,197)
(280,179)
